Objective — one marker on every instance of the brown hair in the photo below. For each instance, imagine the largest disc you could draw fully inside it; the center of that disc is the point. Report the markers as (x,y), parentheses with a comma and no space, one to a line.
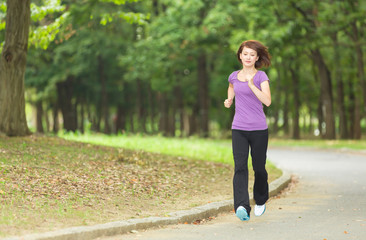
(262,52)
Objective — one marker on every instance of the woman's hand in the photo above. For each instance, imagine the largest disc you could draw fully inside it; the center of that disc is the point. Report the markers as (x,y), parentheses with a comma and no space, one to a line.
(263,94)
(228,102)
(251,81)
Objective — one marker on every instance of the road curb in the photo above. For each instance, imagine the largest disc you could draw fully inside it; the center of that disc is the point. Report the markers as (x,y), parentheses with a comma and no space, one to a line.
(122,227)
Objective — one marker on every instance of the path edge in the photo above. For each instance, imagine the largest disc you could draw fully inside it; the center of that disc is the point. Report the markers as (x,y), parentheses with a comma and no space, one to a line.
(123,227)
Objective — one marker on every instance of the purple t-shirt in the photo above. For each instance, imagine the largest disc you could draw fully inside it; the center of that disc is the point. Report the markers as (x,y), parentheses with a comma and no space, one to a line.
(249,115)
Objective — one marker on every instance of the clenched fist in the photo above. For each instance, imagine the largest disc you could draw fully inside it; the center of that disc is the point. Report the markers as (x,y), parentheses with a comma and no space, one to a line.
(228,102)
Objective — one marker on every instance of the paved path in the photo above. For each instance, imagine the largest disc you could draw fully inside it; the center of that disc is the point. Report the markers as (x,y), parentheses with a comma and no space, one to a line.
(328,202)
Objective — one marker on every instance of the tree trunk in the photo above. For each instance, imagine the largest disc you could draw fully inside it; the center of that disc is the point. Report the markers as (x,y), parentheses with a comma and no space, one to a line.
(180,106)
(13,60)
(98,120)
(82,118)
(340,93)
(276,108)
(311,128)
(186,123)
(132,123)
(47,119)
(121,119)
(351,109)
(140,107)
(56,125)
(65,95)
(95,122)
(75,108)
(104,96)
(326,92)
(39,110)
(275,122)
(356,36)
(192,124)
(357,119)
(285,125)
(164,118)
(171,119)
(320,117)
(362,83)
(203,81)
(155,7)
(193,120)
(296,107)
(152,108)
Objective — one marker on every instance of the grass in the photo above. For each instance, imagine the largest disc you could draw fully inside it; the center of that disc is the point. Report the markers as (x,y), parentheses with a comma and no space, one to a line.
(196,148)
(214,150)
(63,183)
(322,144)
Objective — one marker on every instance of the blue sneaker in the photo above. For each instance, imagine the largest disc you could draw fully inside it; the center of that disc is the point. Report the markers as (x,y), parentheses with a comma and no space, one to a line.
(242,214)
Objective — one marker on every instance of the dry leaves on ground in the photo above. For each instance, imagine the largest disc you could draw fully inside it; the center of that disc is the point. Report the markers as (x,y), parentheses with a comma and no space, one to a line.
(63,183)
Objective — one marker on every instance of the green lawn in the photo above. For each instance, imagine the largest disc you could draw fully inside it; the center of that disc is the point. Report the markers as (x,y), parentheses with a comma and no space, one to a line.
(213,150)
(323,144)
(196,148)
(203,149)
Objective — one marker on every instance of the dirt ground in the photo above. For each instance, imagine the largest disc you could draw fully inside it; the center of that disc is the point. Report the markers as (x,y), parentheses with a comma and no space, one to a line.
(62,184)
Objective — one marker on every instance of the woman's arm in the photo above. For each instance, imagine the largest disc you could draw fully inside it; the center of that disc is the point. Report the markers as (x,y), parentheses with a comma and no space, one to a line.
(230,96)
(265,95)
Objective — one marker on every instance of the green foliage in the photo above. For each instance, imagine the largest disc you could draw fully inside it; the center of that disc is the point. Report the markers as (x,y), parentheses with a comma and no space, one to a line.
(173,40)
(151,51)
(71,49)
(50,7)
(119,2)
(106,11)
(42,36)
(130,17)
(2,23)
(2,15)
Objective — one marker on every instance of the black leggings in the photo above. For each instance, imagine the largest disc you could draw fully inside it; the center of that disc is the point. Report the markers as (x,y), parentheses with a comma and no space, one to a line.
(258,142)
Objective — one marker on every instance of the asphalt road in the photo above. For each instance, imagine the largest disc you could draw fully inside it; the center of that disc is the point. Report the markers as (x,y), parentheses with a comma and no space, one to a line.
(327,202)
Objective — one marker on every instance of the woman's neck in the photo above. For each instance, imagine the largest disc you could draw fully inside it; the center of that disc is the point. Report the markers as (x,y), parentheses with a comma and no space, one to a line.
(249,70)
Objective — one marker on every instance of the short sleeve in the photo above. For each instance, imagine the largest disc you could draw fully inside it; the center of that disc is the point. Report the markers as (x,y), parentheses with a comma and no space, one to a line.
(231,78)
(263,77)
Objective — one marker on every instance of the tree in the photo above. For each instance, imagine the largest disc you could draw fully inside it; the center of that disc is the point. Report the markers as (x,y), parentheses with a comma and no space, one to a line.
(170,74)
(19,34)
(356,33)
(184,44)
(12,69)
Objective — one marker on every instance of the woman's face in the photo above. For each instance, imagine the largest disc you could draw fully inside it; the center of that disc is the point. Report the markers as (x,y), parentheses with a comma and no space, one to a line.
(248,57)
